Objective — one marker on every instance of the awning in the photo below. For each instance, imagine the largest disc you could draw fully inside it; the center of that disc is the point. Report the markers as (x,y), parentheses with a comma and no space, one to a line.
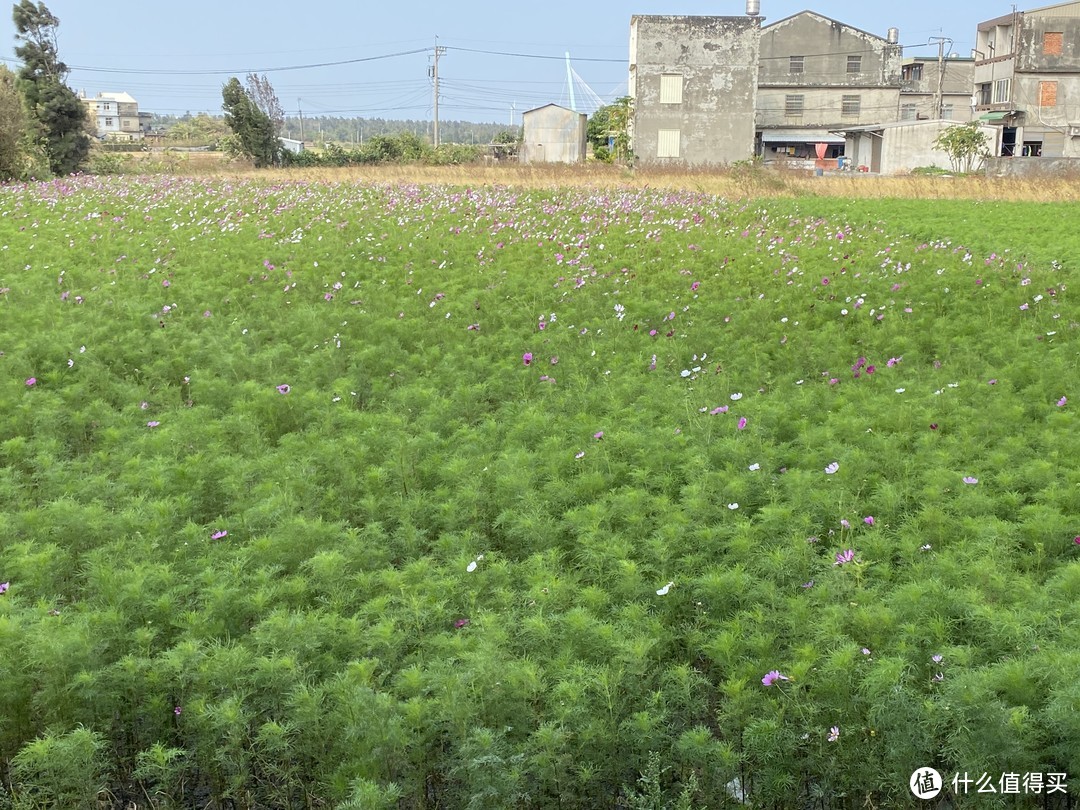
(800,136)
(996,116)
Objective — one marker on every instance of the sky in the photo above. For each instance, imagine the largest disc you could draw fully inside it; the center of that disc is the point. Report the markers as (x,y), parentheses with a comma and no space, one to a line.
(500,58)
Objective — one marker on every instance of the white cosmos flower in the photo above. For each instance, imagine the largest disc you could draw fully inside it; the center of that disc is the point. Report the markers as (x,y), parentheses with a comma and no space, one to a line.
(663,591)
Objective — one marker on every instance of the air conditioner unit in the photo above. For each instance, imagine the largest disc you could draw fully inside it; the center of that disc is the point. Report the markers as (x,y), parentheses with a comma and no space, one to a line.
(1074,130)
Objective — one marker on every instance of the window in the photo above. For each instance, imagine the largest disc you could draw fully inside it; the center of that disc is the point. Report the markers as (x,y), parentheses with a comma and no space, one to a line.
(849,106)
(984,93)
(793,105)
(1001,91)
(667,143)
(854,64)
(1048,94)
(108,122)
(913,73)
(947,111)
(908,112)
(1052,42)
(671,88)
(797,64)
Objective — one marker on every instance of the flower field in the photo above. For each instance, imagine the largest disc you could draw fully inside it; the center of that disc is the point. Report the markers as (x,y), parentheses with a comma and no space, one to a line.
(394,495)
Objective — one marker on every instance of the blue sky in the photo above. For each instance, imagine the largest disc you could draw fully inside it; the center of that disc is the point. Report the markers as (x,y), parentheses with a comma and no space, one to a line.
(154,50)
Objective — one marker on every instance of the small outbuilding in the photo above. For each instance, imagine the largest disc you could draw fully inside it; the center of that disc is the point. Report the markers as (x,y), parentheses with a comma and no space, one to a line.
(553,134)
(899,147)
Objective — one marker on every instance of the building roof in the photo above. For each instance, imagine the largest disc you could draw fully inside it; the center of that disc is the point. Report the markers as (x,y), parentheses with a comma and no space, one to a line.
(122,98)
(821,17)
(556,106)
(922,122)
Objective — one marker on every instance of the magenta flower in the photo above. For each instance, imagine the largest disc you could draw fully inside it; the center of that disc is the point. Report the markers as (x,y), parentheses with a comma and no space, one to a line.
(283,389)
(4,586)
(527,358)
(742,423)
(541,325)
(868,520)
(834,733)
(460,623)
(1061,402)
(845,556)
(774,676)
(721,409)
(825,281)
(166,283)
(694,286)
(176,710)
(1077,539)
(871,369)
(219,534)
(598,435)
(31,382)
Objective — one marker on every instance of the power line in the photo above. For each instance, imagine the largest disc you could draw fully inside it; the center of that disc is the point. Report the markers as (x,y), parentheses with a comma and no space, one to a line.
(534,55)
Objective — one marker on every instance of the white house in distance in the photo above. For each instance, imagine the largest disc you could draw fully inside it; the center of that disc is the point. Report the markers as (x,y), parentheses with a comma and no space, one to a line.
(115,116)
(553,134)
(898,147)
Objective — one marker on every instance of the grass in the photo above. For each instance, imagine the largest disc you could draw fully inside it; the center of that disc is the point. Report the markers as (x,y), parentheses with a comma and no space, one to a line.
(337,491)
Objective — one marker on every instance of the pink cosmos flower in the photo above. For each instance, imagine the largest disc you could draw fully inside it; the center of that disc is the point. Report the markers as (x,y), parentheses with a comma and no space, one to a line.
(4,586)
(527,358)
(845,556)
(834,733)
(460,623)
(219,534)
(694,286)
(1061,402)
(152,424)
(742,423)
(825,281)
(31,382)
(868,520)
(598,435)
(773,676)
(970,479)
(283,389)
(177,710)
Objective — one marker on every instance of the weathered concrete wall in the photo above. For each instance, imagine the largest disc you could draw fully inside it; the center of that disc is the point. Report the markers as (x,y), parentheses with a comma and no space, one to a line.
(825,45)
(717,60)
(823,107)
(553,134)
(908,147)
(1029,53)
(956,87)
(1033,167)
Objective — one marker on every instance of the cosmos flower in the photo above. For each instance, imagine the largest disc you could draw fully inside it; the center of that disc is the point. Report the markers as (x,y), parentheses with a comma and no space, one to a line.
(831,469)
(219,534)
(834,733)
(663,591)
(283,389)
(773,676)
(527,358)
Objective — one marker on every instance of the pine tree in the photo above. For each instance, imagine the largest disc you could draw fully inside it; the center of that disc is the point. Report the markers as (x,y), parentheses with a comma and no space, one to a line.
(58,117)
(252,127)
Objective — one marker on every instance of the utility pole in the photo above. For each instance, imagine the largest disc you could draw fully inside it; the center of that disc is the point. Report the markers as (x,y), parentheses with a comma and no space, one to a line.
(301,112)
(938,95)
(439,51)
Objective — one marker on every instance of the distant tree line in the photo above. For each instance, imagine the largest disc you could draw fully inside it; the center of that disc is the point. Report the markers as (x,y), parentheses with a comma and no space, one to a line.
(203,128)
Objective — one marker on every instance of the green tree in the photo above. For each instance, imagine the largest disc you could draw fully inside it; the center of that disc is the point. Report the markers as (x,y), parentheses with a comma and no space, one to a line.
(964,144)
(609,130)
(252,128)
(262,93)
(12,128)
(58,117)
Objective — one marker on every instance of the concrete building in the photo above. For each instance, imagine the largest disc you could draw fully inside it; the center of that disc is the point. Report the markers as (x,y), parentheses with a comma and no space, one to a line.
(553,134)
(900,146)
(924,77)
(693,82)
(817,76)
(1027,80)
(114,115)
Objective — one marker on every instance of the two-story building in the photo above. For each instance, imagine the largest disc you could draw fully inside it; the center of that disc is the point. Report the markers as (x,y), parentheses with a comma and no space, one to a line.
(1027,80)
(693,81)
(818,76)
(115,116)
(931,88)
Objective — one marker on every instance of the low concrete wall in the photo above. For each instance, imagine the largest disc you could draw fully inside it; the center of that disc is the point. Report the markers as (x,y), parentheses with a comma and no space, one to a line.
(1032,167)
